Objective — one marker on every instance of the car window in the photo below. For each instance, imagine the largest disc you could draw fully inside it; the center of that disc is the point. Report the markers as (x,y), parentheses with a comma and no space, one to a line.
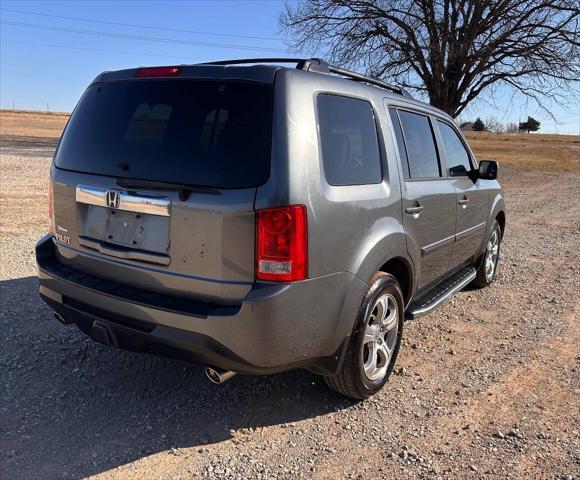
(198,132)
(421,150)
(400,141)
(349,141)
(455,152)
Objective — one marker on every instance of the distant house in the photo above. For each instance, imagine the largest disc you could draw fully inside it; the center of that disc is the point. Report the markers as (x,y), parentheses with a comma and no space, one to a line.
(466,126)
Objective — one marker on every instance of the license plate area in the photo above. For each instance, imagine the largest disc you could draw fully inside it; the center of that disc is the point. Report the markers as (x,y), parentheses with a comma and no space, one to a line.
(132,230)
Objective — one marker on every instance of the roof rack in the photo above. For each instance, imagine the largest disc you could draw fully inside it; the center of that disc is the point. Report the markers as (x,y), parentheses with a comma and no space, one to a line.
(316,65)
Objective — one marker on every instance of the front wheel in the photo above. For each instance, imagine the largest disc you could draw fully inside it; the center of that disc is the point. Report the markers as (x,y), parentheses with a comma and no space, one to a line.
(488,268)
(375,341)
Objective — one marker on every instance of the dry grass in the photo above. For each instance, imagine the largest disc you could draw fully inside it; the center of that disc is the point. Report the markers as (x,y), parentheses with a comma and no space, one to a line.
(530,151)
(32,124)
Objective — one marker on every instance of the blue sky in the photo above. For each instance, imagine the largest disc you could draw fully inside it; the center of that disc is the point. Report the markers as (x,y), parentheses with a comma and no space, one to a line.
(40,66)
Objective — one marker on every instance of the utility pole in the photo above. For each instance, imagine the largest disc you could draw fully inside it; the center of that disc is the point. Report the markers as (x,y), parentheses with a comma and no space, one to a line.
(13,106)
(47,109)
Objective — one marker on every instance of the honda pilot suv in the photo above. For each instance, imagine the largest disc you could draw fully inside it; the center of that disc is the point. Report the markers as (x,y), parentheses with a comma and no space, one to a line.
(255,218)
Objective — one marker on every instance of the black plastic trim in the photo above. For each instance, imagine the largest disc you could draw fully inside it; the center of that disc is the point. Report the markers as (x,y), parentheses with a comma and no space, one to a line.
(142,337)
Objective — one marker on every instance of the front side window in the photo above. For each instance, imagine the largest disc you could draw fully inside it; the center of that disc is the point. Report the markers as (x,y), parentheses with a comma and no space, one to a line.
(421,150)
(456,153)
(349,141)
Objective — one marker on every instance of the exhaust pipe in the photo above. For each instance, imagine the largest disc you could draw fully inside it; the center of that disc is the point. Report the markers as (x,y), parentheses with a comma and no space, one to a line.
(219,376)
(61,319)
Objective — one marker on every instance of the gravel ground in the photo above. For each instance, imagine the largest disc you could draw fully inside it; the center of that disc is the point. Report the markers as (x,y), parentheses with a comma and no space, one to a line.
(486,387)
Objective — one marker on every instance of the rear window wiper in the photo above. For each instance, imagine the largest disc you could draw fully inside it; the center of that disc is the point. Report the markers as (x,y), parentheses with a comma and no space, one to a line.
(183,190)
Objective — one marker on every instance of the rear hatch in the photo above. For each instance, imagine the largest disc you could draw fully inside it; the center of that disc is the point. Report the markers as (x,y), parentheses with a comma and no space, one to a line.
(155,180)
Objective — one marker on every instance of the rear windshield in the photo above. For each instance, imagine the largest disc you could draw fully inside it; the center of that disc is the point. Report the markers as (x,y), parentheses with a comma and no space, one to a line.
(195,132)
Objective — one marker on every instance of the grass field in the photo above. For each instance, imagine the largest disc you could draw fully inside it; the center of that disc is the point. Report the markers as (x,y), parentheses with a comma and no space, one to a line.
(32,124)
(531,151)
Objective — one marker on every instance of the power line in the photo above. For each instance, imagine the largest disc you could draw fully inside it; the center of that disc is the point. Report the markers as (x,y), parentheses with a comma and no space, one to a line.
(98,50)
(141,37)
(120,24)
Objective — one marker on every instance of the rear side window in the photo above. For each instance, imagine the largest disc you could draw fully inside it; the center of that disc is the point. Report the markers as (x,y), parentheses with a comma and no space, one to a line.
(196,132)
(349,141)
(455,152)
(421,150)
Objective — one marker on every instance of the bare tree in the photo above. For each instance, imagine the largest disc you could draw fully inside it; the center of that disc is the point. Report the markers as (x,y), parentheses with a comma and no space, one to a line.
(453,50)
(512,127)
(492,124)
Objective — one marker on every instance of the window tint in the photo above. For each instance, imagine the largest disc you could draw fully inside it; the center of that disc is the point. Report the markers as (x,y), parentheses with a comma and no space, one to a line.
(198,132)
(421,151)
(456,153)
(348,136)
(400,141)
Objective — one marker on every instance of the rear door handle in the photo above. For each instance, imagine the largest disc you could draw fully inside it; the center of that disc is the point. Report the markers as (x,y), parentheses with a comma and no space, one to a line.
(415,210)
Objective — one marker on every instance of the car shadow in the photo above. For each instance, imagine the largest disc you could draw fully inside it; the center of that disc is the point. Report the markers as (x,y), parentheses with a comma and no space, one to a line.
(72,408)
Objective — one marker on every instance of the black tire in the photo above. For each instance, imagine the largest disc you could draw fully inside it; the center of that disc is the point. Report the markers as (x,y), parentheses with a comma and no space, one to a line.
(351,380)
(482,279)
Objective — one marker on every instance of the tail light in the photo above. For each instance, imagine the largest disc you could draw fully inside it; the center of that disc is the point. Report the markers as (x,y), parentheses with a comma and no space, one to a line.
(157,72)
(282,244)
(50,208)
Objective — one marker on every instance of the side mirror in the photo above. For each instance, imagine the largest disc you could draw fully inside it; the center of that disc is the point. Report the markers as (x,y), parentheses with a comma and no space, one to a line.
(488,170)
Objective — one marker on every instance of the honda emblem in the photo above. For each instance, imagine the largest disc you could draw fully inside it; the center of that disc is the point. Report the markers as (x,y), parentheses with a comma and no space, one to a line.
(113,198)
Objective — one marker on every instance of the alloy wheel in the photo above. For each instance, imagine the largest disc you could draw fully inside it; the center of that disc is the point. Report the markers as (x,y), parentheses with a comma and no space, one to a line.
(491,255)
(380,336)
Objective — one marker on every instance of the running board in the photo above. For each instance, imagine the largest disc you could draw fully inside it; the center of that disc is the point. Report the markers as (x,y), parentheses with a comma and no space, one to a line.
(441,293)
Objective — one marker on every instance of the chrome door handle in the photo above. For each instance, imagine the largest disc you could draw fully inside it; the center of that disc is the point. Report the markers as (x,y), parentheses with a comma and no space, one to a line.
(416,210)
(463,201)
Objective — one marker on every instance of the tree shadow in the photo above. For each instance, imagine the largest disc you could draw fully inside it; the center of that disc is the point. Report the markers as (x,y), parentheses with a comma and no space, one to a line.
(72,408)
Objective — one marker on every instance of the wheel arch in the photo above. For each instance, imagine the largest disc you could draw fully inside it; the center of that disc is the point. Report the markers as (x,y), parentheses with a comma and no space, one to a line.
(401,269)
(500,217)
(497,211)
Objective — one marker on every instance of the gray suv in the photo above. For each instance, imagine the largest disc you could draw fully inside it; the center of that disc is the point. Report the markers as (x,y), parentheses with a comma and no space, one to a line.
(256,218)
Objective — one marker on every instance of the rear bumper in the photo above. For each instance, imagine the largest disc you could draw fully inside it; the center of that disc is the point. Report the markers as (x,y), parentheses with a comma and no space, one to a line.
(277,327)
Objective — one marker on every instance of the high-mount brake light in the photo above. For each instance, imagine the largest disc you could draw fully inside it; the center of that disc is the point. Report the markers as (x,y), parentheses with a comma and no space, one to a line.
(282,244)
(157,72)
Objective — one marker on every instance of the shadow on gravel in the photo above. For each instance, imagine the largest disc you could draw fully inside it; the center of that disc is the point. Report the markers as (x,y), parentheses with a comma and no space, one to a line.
(71,407)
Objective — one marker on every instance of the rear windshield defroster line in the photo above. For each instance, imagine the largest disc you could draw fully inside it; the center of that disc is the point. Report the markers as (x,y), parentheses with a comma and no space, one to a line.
(204,133)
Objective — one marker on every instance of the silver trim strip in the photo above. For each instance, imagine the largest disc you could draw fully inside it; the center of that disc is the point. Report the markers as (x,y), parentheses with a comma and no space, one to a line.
(128,201)
(469,230)
(427,249)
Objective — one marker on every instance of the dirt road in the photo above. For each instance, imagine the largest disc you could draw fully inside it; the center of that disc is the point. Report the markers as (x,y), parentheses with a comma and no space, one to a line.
(487,386)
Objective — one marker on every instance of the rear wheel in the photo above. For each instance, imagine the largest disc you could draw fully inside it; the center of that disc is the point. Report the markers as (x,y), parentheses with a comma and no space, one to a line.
(488,268)
(375,341)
